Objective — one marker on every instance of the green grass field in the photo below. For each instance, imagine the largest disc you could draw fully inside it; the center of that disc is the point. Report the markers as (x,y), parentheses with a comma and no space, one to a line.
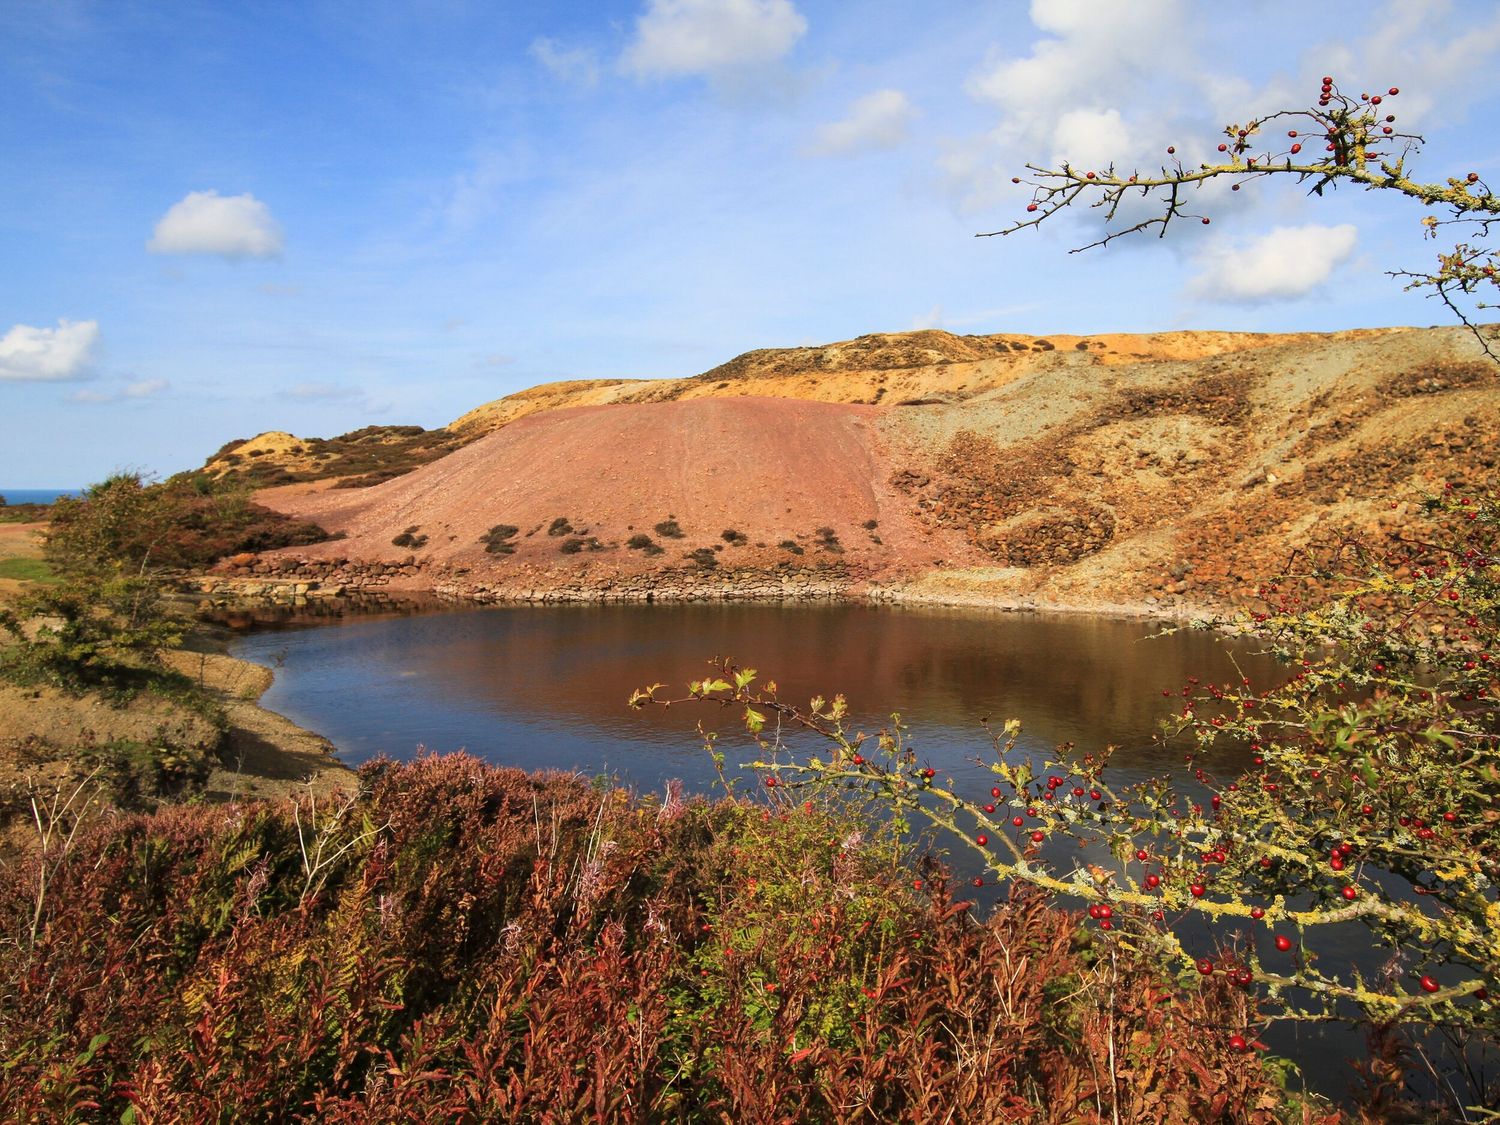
(26,570)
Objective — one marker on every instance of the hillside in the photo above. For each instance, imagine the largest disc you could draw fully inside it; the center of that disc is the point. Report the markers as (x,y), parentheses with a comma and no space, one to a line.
(1161,472)
(879,368)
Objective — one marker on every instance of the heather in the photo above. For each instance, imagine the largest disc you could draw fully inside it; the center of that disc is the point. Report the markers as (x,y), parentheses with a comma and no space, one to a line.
(462,942)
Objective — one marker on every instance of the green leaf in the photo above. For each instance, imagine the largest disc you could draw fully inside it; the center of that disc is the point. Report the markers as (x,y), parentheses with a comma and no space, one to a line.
(754,721)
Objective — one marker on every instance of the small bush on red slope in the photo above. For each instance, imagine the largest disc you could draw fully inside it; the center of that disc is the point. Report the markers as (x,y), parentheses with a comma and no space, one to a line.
(471,943)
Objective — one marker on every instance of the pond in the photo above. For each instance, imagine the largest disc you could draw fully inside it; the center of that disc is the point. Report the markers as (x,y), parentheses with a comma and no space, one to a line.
(547,687)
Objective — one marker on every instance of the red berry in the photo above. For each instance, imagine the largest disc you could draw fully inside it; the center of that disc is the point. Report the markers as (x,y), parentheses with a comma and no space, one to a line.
(995,792)
(1283,942)
(770,783)
(1170,150)
(1153,881)
(1257,912)
(1223,148)
(1473,177)
(1350,893)
(1018,820)
(1198,890)
(981,839)
(1031,206)
(1237,1043)
(1296,149)
(1206,967)
(1428,984)
(989,808)
(858,759)
(1393,91)
(1327,81)
(1038,837)
(978,881)
(1141,854)
(1205,222)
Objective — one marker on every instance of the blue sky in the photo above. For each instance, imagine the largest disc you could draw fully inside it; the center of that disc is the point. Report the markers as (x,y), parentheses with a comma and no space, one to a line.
(223,218)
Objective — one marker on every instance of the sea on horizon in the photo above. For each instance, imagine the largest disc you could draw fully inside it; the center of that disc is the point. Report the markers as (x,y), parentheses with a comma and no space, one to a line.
(37,495)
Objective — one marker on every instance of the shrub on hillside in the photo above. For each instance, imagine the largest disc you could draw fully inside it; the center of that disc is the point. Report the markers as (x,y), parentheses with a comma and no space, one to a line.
(497,540)
(670,529)
(644,543)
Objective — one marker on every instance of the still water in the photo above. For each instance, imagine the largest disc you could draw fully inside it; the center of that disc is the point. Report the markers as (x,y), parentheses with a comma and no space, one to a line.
(547,687)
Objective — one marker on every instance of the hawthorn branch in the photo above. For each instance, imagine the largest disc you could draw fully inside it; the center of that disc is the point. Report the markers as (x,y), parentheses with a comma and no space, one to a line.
(1361,147)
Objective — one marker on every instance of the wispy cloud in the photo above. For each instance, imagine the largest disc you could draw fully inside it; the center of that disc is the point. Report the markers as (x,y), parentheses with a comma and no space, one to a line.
(675,38)
(875,121)
(137,389)
(574,66)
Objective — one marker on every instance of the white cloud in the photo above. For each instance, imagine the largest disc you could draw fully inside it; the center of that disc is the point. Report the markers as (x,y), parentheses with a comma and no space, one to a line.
(30,354)
(89,397)
(680,37)
(875,121)
(1098,55)
(577,66)
(1284,263)
(145,388)
(1106,82)
(205,222)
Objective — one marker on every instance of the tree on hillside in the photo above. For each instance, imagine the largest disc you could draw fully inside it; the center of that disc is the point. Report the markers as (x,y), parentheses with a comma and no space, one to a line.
(1341,140)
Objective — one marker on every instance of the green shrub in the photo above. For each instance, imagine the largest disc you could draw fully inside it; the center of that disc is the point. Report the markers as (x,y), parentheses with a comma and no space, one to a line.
(733,538)
(560,526)
(410,538)
(669,529)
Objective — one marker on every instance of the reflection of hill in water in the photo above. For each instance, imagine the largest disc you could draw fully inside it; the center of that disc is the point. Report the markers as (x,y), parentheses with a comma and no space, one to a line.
(520,684)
